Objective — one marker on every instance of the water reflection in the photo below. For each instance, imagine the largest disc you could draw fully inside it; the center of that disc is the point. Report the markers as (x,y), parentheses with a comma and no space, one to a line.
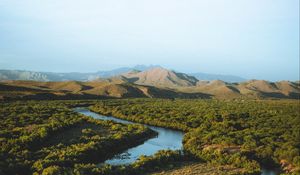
(166,139)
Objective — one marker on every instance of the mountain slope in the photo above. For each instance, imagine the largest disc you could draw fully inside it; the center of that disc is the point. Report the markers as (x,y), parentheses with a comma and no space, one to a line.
(254,89)
(262,88)
(122,70)
(76,76)
(45,76)
(250,89)
(86,90)
(22,75)
(161,77)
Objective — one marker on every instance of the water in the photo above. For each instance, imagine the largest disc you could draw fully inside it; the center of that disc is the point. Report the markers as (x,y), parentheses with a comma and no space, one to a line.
(166,139)
(268,171)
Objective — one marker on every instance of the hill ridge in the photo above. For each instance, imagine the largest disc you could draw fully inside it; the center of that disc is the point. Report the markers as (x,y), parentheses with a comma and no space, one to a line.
(255,89)
(76,76)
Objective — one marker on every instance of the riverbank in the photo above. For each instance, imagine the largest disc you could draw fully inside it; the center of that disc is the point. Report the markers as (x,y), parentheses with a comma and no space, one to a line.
(135,160)
(47,136)
(165,139)
(194,168)
(228,132)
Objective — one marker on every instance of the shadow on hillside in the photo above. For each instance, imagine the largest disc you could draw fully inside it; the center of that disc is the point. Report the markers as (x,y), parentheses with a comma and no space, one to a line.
(164,93)
(280,95)
(4,87)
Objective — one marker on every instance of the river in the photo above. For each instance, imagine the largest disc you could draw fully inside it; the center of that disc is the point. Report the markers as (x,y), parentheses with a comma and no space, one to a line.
(166,139)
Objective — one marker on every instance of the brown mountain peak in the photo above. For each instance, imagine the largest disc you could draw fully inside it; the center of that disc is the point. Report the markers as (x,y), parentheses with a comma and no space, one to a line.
(159,76)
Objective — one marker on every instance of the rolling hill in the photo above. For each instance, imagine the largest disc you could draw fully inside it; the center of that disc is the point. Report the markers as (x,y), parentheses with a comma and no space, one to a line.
(71,76)
(86,90)
(161,77)
(152,82)
(168,85)
(76,76)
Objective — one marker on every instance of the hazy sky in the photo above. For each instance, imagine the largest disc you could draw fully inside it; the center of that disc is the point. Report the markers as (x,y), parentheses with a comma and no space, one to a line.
(249,38)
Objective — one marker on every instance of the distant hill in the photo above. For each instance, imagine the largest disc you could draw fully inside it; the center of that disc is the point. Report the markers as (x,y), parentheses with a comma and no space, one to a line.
(161,77)
(178,87)
(76,76)
(85,90)
(122,70)
(140,81)
(262,88)
(227,78)
(249,89)
(45,76)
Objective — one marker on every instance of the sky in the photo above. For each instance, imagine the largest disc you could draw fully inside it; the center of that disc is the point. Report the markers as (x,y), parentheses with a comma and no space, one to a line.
(254,39)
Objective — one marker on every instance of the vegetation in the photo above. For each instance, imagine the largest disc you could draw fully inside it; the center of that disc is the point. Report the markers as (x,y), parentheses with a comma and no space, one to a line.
(194,168)
(237,132)
(144,165)
(235,136)
(46,137)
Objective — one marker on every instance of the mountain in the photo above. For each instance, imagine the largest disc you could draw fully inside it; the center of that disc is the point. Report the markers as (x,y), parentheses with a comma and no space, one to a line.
(45,76)
(262,88)
(219,88)
(161,77)
(122,70)
(254,89)
(140,81)
(76,76)
(178,86)
(22,75)
(114,72)
(85,90)
(227,78)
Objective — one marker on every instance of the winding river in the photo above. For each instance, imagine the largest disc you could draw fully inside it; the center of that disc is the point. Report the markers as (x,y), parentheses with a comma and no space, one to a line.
(166,139)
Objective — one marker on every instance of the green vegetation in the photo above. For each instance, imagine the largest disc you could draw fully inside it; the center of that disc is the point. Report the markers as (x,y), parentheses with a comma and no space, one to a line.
(239,133)
(194,168)
(144,165)
(47,137)
(235,136)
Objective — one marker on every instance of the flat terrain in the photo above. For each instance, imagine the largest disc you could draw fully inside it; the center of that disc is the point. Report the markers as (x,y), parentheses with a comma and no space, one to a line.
(47,136)
(226,136)
(202,169)
(241,133)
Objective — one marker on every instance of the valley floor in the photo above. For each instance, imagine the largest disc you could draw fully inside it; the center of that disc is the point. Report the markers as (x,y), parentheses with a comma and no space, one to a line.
(47,137)
(230,136)
(193,168)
